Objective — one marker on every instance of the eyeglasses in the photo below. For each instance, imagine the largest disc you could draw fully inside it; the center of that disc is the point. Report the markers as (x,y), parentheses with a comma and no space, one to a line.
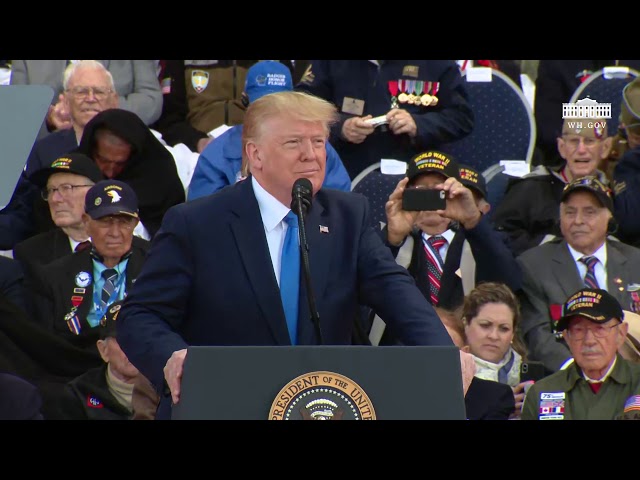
(574,142)
(121,221)
(579,332)
(99,93)
(65,190)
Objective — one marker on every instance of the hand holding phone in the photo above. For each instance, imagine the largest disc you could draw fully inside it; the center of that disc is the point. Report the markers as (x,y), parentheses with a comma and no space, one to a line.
(423,199)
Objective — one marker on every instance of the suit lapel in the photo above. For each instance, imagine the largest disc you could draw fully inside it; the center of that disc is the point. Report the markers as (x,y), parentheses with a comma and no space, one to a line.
(617,274)
(451,294)
(248,231)
(564,269)
(61,245)
(320,250)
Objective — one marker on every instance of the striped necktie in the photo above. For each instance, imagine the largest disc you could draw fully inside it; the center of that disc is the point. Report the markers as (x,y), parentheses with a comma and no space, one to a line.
(110,275)
(590,280)
(434,266)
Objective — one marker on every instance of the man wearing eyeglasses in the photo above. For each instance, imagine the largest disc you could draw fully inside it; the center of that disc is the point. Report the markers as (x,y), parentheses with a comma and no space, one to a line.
(88,89)
(528,213)
(626,174)
(599,382)
(584,257)
(72,293)
(63,187)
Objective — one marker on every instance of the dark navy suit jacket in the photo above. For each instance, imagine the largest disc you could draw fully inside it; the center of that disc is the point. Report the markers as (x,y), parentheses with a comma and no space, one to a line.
(208,280)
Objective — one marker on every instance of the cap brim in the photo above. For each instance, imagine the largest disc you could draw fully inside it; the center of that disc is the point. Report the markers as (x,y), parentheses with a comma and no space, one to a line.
(564,321)
(111,210)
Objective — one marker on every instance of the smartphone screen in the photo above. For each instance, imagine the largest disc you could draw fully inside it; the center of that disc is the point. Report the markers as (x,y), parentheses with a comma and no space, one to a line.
(532,371)
(423,199)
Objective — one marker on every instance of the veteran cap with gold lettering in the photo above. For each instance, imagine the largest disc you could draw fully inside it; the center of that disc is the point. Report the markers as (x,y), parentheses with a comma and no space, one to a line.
(76,163)
(433,161)
(473,179)
(591,184)
(595,304)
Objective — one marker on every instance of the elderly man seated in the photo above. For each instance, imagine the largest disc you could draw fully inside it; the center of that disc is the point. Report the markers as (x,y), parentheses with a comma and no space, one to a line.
(72,293)
(584,257)
(599,383)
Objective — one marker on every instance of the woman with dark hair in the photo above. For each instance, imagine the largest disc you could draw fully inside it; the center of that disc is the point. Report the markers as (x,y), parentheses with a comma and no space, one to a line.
(491,316)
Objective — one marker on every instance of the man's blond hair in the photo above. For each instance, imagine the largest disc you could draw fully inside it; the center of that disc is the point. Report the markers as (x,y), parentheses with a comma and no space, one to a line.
(301,106)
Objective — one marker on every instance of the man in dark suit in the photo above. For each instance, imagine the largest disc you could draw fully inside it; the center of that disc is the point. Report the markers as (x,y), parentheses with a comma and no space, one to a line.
(450,250)
(72,293)
(64,186)
(585,256)
(214,271)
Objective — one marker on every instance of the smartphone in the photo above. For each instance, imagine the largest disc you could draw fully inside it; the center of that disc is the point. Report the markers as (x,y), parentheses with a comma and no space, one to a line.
(532,371)
(422,199)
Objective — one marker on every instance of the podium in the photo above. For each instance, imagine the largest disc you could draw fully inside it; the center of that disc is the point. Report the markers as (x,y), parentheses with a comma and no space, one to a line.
(321,383)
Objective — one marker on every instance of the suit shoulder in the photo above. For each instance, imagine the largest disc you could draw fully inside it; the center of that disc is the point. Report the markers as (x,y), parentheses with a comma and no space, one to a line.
(541,251)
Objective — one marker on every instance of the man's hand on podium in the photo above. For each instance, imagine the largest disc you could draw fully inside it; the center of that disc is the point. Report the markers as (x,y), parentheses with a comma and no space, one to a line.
(468,366)
(173,373)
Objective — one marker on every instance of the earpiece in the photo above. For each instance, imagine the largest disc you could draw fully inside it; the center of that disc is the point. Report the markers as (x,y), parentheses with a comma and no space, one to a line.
(244,98)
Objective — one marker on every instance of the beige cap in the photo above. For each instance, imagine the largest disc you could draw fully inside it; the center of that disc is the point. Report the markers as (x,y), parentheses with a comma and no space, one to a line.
(585,127)
(630,108)
(631,347)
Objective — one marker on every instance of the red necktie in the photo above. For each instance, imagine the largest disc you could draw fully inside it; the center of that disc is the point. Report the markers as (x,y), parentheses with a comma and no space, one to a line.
(595,386)
(83,246)
(434,266)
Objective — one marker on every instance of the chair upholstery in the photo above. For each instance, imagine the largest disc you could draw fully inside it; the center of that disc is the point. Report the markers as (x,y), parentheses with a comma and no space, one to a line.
(601,88)
(504,126)
(377,187)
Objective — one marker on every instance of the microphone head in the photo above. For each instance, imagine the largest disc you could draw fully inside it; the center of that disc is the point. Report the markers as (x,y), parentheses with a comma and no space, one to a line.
(301,192)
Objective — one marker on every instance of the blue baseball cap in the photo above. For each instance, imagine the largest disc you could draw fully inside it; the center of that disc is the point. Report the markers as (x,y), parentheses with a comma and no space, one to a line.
(111,197)
(267,76)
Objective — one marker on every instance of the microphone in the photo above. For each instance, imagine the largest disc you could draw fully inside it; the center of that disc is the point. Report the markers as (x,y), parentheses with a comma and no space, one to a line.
(301,196)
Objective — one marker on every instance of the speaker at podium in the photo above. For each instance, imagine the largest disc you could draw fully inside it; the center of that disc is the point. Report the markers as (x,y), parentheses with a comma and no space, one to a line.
(321,383)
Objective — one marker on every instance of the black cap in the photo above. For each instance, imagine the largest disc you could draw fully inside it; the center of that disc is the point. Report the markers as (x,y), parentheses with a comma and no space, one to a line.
(111,197)
(590,184)
(473,179)
(596,304)
(433,161)
(77,163)
(107,327)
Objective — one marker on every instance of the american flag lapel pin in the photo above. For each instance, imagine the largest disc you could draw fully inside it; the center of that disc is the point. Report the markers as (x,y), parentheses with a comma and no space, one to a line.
(324,229)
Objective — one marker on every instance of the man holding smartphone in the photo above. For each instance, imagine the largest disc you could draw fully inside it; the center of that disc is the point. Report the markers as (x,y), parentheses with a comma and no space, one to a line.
(448,241)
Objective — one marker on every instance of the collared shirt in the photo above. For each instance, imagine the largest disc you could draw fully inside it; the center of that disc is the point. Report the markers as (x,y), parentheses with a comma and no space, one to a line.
(74,244)
(448,235)
(595,380)
(98,282)
(600,268)
(272,213)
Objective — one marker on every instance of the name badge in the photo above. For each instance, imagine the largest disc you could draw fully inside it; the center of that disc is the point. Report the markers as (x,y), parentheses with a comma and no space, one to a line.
(353,106)
(410,71)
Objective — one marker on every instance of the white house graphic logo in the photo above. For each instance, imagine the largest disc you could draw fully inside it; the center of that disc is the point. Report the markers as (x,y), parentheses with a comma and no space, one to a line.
(586,108)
